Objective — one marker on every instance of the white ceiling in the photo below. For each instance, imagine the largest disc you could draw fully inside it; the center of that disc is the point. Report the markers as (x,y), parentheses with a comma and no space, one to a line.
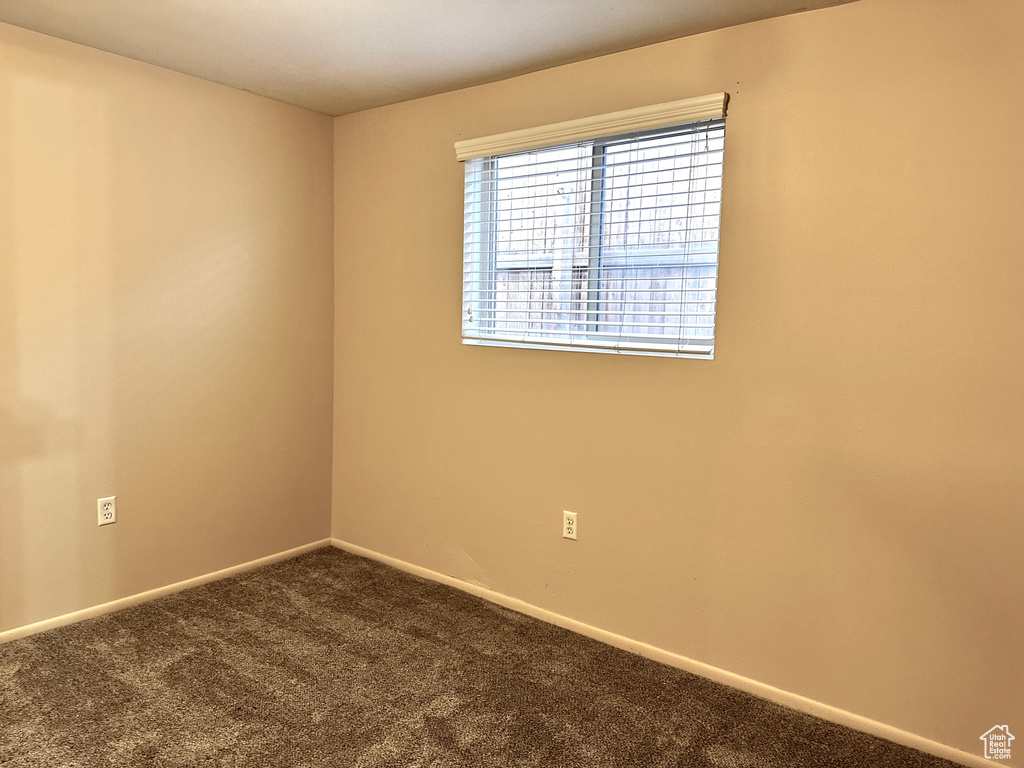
(339,56)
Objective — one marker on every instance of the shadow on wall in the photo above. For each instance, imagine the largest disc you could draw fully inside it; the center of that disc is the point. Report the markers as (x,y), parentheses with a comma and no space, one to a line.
(54,340)
(165,309)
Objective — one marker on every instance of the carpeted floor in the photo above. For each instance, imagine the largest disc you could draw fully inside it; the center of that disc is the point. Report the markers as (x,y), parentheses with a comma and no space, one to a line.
(334,660)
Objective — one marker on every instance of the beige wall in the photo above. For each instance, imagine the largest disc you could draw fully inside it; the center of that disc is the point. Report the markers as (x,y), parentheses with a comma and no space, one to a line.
(834,504)
(165,326)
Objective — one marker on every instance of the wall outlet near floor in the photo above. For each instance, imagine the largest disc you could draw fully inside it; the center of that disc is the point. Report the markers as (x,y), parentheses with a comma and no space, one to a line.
(570,530)
(107,510)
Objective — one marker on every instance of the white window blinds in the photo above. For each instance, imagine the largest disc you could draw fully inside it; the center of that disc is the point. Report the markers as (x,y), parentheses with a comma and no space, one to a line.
(606,244)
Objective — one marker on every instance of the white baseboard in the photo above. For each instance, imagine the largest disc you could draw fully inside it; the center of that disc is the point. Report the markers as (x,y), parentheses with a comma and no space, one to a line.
(762,690)
(153,594)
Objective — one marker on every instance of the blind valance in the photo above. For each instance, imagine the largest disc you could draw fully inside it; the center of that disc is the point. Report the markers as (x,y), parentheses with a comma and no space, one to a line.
(650,117)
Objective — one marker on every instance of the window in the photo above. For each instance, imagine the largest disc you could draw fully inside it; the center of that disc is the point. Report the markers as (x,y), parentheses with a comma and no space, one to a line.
(599,234)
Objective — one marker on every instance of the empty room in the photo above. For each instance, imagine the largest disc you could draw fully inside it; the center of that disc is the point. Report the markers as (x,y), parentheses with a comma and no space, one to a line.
(536,384)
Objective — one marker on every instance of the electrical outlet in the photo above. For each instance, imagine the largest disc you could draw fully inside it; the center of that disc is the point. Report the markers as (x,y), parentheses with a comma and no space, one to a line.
(107,510)
(570,529)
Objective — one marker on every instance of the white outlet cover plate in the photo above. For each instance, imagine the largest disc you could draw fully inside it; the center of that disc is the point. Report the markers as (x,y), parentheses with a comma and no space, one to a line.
(570,527)
(107,515)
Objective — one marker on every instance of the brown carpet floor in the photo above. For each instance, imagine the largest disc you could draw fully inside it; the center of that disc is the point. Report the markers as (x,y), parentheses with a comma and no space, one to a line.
(333,660)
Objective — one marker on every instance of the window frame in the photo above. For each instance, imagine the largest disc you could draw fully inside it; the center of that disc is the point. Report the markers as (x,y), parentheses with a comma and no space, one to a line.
(487,334)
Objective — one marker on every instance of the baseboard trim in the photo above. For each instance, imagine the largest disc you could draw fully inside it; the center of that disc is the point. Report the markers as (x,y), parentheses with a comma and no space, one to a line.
(144,597)
(763,690)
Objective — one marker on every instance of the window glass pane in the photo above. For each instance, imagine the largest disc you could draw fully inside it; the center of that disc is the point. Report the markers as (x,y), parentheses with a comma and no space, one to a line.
(541,206)
(661,208)
(659,301)
(533,300)
(663,197)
